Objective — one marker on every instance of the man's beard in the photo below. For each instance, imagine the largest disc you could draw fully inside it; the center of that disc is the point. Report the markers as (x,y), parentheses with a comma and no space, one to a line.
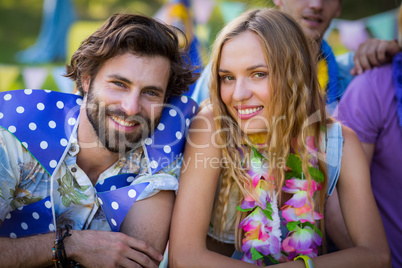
(113,140)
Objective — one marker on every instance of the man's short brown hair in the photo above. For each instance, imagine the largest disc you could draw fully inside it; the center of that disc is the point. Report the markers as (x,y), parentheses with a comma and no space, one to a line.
(136,34)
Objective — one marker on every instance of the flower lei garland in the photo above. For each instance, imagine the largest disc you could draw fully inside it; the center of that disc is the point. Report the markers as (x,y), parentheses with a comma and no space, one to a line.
(262,233)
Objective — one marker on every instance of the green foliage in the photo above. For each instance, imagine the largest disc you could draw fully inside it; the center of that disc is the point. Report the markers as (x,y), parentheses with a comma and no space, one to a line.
(244,210)
(357,9)
(20,21)
(272,259)
(18,83)
(316,174)
(50,83)
(312,226)
(295,164)
(19,26)
(257,153)
(268,211)
(292,225)
(255,254)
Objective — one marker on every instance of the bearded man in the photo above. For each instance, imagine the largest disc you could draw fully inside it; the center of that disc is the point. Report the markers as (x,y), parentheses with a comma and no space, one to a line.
(76,167)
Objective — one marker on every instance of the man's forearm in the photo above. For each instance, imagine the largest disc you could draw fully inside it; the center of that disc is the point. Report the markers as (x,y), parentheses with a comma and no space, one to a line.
(33,251)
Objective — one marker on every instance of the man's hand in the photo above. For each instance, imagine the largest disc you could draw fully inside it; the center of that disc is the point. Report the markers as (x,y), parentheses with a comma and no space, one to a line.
(110,249)
(374,52)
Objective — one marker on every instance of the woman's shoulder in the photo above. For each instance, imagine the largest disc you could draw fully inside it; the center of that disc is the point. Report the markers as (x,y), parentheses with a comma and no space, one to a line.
(351,140)
(204,118)
(349,135)
(203,128)
(206,110)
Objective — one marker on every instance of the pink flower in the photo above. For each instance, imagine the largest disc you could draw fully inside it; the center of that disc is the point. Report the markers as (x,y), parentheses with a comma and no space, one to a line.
(250,260)
(310,143)
(256,219)
(258,169)
(312,150)
(302,241)
(301,214)
(262,195)
(298,200)
(294,185)
(269,246)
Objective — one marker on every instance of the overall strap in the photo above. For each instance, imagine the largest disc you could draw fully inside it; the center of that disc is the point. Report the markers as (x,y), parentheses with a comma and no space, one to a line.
(333,155)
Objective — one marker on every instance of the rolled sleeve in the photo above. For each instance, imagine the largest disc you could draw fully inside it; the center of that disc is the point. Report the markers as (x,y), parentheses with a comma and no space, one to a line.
(157,183)
(165,180)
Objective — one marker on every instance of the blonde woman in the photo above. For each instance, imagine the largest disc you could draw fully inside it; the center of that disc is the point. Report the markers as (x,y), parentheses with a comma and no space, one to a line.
(262,159)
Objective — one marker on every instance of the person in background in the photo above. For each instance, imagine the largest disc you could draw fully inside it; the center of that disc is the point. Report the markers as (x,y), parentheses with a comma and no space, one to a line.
(262,159)
(372,107)
(72,166)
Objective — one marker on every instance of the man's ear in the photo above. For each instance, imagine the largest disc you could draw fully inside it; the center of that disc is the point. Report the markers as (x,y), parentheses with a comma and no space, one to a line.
(85,81)
(338,10)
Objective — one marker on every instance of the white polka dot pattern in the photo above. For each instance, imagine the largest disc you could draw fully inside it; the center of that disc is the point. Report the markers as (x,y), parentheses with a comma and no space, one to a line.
(117,202)
(27,220)
(166,143)
(39,121)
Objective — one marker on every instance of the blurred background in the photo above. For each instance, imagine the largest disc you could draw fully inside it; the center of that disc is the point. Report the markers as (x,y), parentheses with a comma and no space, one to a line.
(37,37)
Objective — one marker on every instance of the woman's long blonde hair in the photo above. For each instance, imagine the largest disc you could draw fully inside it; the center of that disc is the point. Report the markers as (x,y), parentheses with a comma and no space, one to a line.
(295,102)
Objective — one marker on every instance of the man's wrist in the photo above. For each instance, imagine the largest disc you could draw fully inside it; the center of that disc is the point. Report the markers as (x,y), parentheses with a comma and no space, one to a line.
(59,255)
(70,244)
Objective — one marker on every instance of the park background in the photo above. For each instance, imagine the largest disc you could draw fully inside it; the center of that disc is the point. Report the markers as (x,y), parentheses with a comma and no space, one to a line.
(37,37)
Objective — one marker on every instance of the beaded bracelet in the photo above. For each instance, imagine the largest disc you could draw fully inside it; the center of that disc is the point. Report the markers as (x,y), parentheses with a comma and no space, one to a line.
(55,256)
(59,255)
(307,261)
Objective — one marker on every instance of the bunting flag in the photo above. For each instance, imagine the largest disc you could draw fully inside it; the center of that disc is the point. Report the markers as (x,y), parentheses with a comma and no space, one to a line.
(382,25)
(44,108)
(179,14)
(78,32)
(18,82)
(117,202)
(8,74)
(13,77)
(202,10)
(49,83)
(34,77)
(231,10)
(30,225)
(64,84)
(352,33)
